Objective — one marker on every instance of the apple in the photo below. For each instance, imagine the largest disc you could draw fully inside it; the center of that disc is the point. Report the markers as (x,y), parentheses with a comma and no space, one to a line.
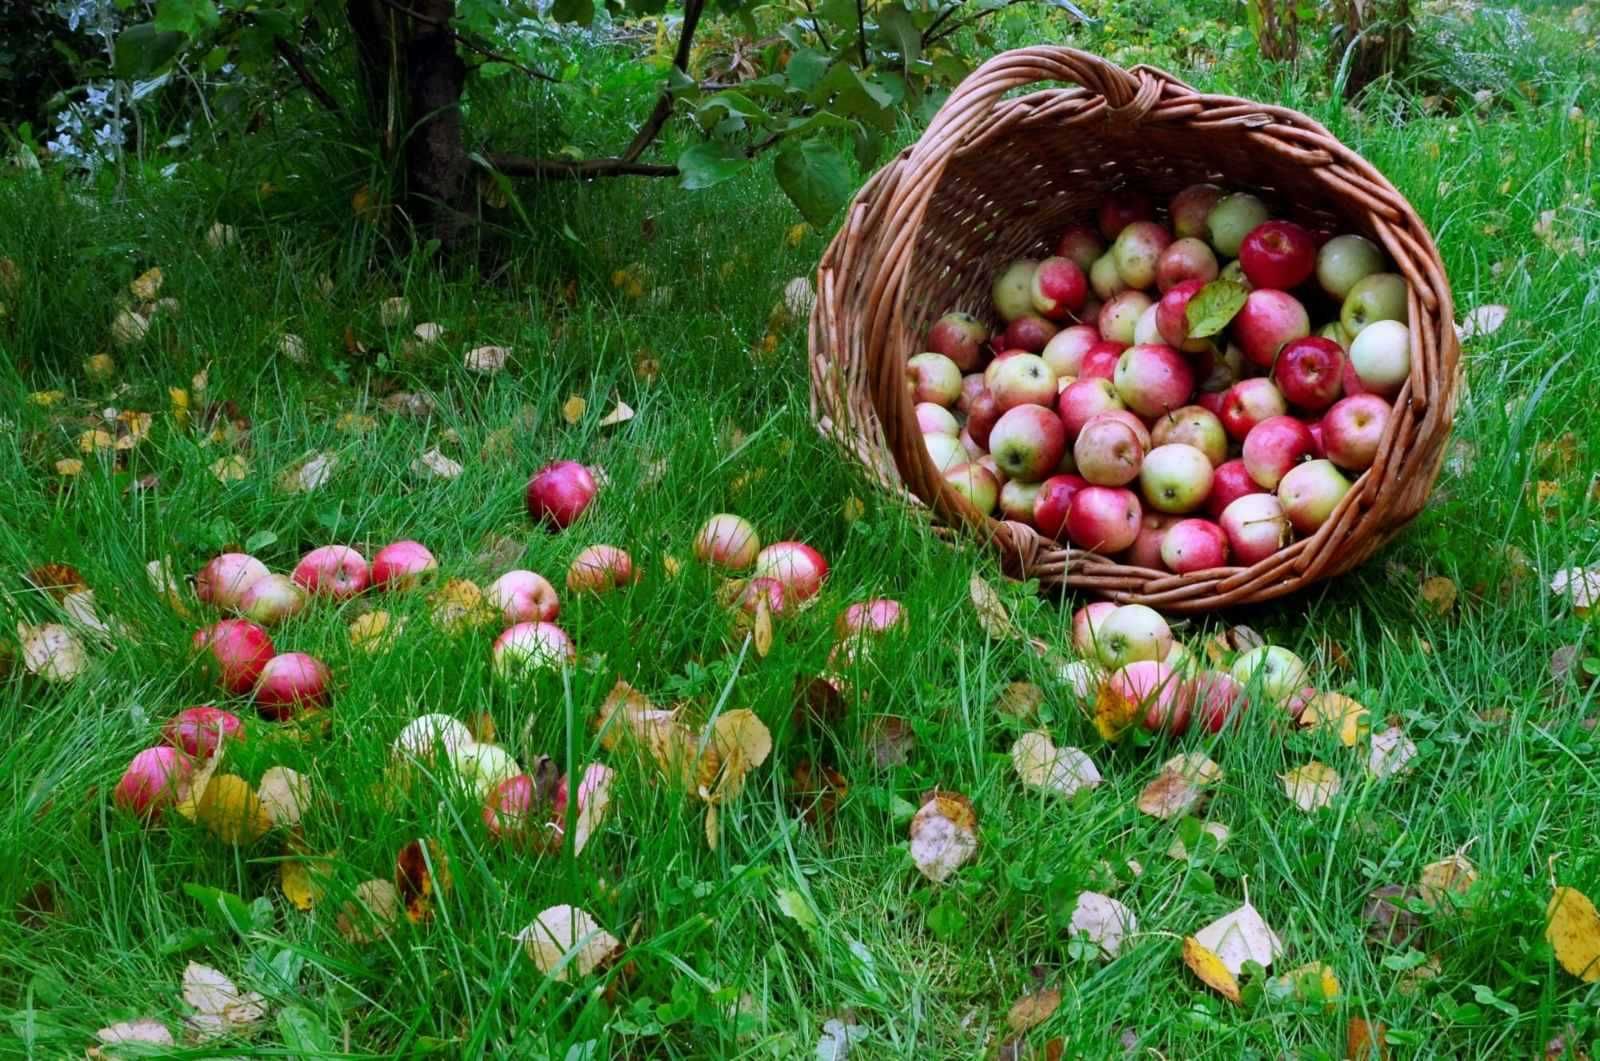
(977,484)
(1185,260)
(599,569)
(1353,428)
(1100,360)
(986,412)
(1295,704)
(1229,482)
(513,813)
(1086,624)
(1013,289)
(1194,545)
(402,564)
(225,578)
(1081,245)
(153,781)
(936,420)
(1024,379)
(799,567)
(1218,699)
(1268,320)
(933,378)
(1027,443)
(1053,501)
(1318,452)
(1132,632)
(1154,694)
(1249,402)
(1378,297)
(960,337)
(1335,331)
(1145,330)
(1344,261)
(527,597)
(1175,478)
(877,616)
(1146,548)
(1084,678)
(1381,357)
(1172,316)
(944,451)
(1122,208)
(1104,518)
(1231,220)
(238,649)
(994,366)
(1196,426)
(1060,288)
(336,571)
(1256,527)
(527,647)
(1134,423)
(1226,369)
(1190,208)
(271,600)
(1120,315)
(1108,452)
(291,682)
(557,494)
(1064,352)
(1273,669)
(1017,498)
(1308,372)
(1310,493)
(1153,379)
(199,731)
(1104,280)
(1083,401)
(1136,251)
(972,385)
(1273,447)
(1029,332)
(759,589)
(1279,254)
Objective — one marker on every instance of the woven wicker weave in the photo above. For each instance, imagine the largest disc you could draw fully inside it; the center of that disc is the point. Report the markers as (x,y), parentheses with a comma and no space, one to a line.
(996,179)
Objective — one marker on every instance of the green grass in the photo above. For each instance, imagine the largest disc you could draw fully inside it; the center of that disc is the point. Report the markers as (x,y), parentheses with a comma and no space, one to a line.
(1506,766)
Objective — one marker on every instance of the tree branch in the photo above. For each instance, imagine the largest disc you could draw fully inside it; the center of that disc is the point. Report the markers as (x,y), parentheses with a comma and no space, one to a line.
(297,62)
(955,27)
(550,169)
(816,25)
(663,109)
(470,44)
(861,31)
(937,22)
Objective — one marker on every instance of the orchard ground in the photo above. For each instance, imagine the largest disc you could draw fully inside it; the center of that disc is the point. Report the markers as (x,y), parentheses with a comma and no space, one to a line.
(666,301)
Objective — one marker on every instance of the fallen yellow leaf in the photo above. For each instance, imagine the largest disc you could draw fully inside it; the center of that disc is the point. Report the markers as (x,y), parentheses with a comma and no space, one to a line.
(1312,786)
(572,410)
(232,811)
(1572,926)
(1339,713)
(1439,594)
(302,881)
(230,469)
(1313,981)
(45,399)
(146,287)
(761,630)
(854,508)
(1209,968)
(1447,879)
(992,613)
(797,234)
(1033,1009)
(69,466)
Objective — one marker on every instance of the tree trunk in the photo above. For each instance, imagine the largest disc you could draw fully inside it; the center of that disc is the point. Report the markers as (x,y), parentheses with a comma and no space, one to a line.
(413,80)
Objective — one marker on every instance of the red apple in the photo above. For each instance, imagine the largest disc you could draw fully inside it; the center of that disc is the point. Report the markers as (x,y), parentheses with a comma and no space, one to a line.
(1218,700)
(1082,245)
(1308,371)
(1268,320)
(1016,500)
(799,567)
(1027,442)
(986,412)
(1318,452)
(599,569)
(1146,548)
(877,616)
(933,378)
(1194,426)
(271,600)
(1065,350)
(1153,379)
(1060,288)
(401,565)
(1087,622)
(1249,402)
(1153,693)
(1108,452)
(960,337)
(1024,379)
(528,647)
(1278,254)
(1273,447)
(1134,423)
(1172,315)
(238,650)
(1137,251)
(336,571)
(977,483)
(289,683)
(1353,428)
(1122,208)
(153,781)
(1083,401)
(1104,518)
(1100,360)
(1194,545)
(1029,332)
(199,731)
(1052,503)
(224,580)
(1184,261)
(972,385)
(558,494)
(528,597)
(936,420)
(1256,527)
(1189,209)
(1229,482)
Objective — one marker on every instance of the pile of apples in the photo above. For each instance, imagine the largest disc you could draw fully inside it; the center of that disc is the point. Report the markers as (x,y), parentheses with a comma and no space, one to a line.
(1158,393)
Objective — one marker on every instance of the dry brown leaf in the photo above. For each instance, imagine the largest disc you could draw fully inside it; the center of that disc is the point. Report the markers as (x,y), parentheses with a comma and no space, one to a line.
(310,474)
(619,415)
(435,465)
(285,793)
(1179,787)
(1438,594)
(573,408)
(1364,1042)
(370,913)
(1032,1010)
(69,466)
(892,741)
(1557,456)
(1020,700)
(1572,926)
(565,942)
(1338,713)
(1206,965)
(1239,936)
(1312,786)
(944,835)
(146,287)
(143,1032)
(489,360)
(421,872)
(1447,879)
(1104,920)
(220,1008)
(1218,832)
(740,742)
(992,613)
(230,469)
(1040,764)
(817,792)
(761,628)
(1390,753)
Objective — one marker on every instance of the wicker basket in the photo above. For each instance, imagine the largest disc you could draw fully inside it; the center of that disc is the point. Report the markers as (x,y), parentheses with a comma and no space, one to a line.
(992,179)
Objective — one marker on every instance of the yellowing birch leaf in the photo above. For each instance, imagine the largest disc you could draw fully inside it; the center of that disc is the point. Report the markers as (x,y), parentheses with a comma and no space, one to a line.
(1104,920)
(1040,764)
(619,415)
(1447,879)
(573,408)
(1240,936)
(992,613)
(370,913)
(230,469)
(1312,786)
(1390,753)
(1179,787)
(1339,713)
(1572,926)
(146,287)
(1206,965)
(285,794)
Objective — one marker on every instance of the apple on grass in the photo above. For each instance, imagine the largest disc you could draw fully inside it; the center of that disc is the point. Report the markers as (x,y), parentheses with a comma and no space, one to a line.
(877,616)
(1120,315)
(336,571)
(1272,669)
(525,648)
(1084,400)
(402,564)
(1218,700)
(726,541)
(271,600)
(1249,402)
(238,650)
(1132,632)
(1108,452)
(1137,251)
(1229,482)
(1027,442)
(1189,208)
(1308,371)
(1024,379)
(799,567)
(1064,352)
(1081,245)
(1345,261)
(557,495)
(1273,447)
(1013,289)
(1232,219)
(199,731)
(1381,356)
(1060,288)
(1194,545)
(1268,320)
(1175,478)
(1193,425)
(599,569)
(1152,694)
(154,780)
(1185,260)
(933,378)
(1278,254)
(976,484)
(1053,501)
(225,579)
(1310,493)
(525,596)
(1256,527)
(1104,519)
(1122,208)
(289,683)
(1353,429)
(960,337)
(1153,379)
(1086,624)
(1376,297)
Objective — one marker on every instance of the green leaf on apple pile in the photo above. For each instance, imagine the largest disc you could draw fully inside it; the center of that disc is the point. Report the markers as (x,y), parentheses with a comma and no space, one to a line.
(1213,306)
(816,177)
